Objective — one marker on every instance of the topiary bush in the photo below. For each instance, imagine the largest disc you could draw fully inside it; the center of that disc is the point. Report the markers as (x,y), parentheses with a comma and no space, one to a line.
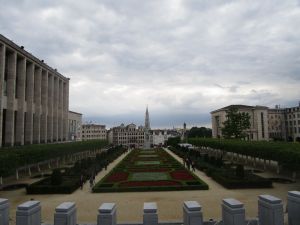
(56,177)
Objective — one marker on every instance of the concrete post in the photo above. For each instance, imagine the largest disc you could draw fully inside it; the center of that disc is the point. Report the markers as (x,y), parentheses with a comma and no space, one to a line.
(270,210)
(29,213)
(2,68)
(37,105)
(192,214)
(233,212)
(150,216)
(293,207)
(21,72)
(11,90)
(4,211)
(29,100)
(65,214)
(107,214)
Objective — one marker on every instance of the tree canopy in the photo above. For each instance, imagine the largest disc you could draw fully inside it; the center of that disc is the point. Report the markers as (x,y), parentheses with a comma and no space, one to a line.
(236,124)
(199,132)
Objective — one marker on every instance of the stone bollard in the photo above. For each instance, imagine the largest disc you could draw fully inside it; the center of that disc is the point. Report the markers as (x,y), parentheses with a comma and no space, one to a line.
(192,214)
(65,214)
(270,210)
(107,214)
(29,213)
(233,212)
(150,216)
(4,211)
(293,207)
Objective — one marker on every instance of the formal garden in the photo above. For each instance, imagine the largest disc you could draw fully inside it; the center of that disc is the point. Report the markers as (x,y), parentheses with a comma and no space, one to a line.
(149,170)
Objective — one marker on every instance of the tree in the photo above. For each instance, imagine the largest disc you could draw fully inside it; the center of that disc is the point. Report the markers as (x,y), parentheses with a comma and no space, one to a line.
(236,124)
(199,132)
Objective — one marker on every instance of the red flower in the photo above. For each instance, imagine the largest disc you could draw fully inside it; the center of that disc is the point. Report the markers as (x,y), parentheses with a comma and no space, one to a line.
(181,175)
(149,183)
(116,177)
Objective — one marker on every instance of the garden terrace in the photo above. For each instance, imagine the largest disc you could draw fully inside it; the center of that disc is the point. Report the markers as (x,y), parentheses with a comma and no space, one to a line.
(149,170)
(286,154)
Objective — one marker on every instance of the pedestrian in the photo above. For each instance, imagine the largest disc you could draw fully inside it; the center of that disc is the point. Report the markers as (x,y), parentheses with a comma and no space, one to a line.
(91,182)
(94,178)
(193,166)
(81,182)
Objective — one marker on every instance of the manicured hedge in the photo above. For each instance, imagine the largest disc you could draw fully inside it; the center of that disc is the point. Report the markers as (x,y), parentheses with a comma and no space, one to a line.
(71,176)
(13,158)
(287,154)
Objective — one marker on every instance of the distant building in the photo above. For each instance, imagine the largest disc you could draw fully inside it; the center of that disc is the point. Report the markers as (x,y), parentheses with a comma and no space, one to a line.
(34,98)
(158,137)
(130,135)
(266,123)
(93,131)
(258,121)
(74,125)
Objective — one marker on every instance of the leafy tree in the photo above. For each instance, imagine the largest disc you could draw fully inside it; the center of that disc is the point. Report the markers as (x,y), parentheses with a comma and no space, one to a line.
(236,124)
(199,132)
(173,141)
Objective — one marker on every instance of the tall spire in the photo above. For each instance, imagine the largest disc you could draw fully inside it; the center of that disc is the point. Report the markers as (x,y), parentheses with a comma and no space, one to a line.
(147,130)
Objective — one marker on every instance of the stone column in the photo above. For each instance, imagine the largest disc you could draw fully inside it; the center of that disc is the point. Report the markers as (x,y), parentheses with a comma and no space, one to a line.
(66,108)
(21,75)
(150,216)
(270,210)
(293,207)
(37,105)
(11,89)
(50,108)
(192,214)
(44,110)
(29,102)
(233,212)
(4,211)
(60,111)
(2,64)
(65,214)
(107,214)
(29,213)
(55,109)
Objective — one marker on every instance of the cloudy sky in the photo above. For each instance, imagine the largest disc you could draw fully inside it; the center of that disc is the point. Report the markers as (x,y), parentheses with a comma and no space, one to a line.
(182,58)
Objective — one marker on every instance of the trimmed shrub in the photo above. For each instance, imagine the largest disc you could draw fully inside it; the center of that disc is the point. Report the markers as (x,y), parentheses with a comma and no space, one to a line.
(56,177)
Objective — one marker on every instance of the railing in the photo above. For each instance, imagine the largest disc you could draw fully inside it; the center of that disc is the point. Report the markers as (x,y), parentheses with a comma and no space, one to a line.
(270,212)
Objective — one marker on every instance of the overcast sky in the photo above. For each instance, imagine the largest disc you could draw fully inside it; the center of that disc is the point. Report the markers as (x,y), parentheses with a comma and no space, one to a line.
(182,58)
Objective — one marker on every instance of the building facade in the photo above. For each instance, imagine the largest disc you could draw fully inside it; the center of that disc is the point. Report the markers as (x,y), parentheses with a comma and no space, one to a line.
(158,137)
(93,131)
(34,98)
(266,124)
(74,126)
(130,135)
(258,121)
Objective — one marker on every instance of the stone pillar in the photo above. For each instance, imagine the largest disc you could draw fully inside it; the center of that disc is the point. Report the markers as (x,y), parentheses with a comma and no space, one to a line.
(55,109)
(150,216)
(233,212)
(29,103)
(50,108)
(29,213)
(37,105)
(21,75)
(65,214)
(192,214)
(4,211)
(44,110)
(66,108)
(2,64)
(60,111)
(107,214)
(293,207)
(270,210)
(11,89)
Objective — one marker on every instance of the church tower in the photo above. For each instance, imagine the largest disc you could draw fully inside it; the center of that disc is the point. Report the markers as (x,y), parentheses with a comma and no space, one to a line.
(147,130)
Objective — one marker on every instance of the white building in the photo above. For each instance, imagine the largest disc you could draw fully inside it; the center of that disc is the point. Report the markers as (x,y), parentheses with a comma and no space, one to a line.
(158,137)
(74,125)
(93,131)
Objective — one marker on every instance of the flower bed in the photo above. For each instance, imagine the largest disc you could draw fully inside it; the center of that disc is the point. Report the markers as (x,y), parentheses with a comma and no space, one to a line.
(163,173)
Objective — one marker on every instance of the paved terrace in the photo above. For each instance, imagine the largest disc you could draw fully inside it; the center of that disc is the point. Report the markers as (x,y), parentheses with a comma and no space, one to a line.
(130,205)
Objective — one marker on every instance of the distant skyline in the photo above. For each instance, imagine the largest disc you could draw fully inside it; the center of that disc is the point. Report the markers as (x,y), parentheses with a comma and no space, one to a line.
(184,58)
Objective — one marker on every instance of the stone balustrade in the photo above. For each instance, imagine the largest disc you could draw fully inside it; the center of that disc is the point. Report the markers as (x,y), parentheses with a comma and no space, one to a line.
(270,212)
